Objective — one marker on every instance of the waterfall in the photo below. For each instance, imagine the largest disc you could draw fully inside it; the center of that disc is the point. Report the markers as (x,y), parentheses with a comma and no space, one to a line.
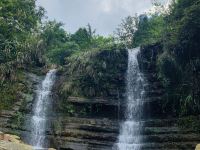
(129,138)
(40,110)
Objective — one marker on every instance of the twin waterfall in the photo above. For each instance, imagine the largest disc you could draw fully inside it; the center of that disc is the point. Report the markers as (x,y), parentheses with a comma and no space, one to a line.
(129,138)
(40,111)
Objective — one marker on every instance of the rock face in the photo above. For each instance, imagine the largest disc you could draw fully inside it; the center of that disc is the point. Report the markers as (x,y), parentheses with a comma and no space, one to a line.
(154,90)
(89,120)
(86,133)
(12,121)
(14,118)
(94,123)
(79,122)
(162,130)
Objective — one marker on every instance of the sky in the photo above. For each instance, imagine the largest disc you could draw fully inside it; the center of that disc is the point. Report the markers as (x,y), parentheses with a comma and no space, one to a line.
(102,15)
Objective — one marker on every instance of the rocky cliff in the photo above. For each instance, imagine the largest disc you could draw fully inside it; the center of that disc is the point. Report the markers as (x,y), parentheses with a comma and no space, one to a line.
(89,105)
(93,121)
(163,128)
(91,88)
(87,97)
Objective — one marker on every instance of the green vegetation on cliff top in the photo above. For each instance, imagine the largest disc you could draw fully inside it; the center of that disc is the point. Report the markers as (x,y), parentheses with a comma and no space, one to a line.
(27,42)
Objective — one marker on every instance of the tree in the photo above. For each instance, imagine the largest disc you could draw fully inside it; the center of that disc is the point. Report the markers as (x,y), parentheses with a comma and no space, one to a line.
(58,54)
(19,20)
(53,34)
(126,30)
(82,37)
(150,30)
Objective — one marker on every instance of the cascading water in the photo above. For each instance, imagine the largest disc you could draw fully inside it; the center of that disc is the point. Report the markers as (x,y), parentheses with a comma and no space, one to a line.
(40,111)
(129,138)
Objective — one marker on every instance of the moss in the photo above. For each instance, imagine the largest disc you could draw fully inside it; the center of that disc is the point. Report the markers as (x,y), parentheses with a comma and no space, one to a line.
(10,90)
(13,91)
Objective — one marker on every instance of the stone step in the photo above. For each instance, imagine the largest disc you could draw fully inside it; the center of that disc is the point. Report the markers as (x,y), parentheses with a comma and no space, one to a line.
(115,129)
(100,136)
(148,146)
(82,146)
(105,122)
(70,142)
(152,142)
(176,136)
(92,128)
(79,140)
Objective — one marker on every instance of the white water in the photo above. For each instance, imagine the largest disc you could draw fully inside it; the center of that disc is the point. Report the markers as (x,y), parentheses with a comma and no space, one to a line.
(38,120)
(129,138)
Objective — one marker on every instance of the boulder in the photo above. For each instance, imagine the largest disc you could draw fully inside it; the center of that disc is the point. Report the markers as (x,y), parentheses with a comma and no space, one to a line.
(197,147)
(13,142)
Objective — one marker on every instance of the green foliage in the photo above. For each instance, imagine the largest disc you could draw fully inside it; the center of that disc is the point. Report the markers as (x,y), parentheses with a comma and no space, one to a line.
(61,45)
(141,30)
(82,37)
(21,46)
(56,41)
(179,66)
(178,31)
(102,42)
(182,40)
(58,55)
(26,42)
(150,30)
(89,60)
(184,27)
(17,120)
(54,35)
(9,91)
(93,73)
(18,24)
